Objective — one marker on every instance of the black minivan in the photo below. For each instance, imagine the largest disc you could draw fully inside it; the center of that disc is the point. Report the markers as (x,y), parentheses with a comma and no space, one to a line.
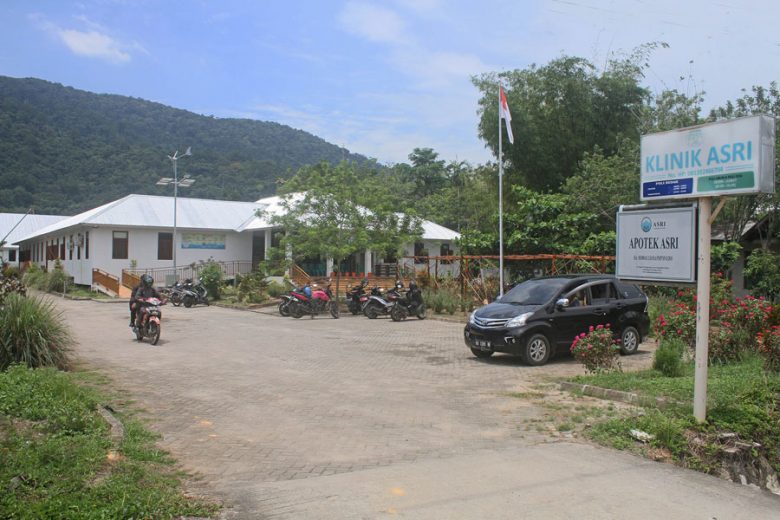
(541,317)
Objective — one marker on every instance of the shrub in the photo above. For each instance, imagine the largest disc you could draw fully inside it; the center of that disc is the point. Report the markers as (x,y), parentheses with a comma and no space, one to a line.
(211,278)
(750,315)
(56,279)
(727,344)
(762,271)
(597,349)
(668,357)
(769,347)
(34,333)
(252,288)
(276,289)
(34,276)
(680,323)
(10,285)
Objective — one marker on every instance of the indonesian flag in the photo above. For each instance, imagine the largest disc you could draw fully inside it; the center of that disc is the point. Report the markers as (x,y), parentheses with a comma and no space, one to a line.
(504,113)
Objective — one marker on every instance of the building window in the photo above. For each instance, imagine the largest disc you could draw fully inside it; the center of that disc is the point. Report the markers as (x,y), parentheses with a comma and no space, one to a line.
(164,246)
(419,249)
(62,248)
(86,245)
(12,255)
(119,248)
(70,248)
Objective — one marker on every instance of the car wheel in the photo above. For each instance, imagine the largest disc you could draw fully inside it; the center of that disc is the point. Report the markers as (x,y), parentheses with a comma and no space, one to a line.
(629,341)
(537,350)
(481,354)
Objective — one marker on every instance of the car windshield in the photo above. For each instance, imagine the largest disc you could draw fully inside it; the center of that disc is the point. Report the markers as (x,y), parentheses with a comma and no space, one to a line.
(534,292)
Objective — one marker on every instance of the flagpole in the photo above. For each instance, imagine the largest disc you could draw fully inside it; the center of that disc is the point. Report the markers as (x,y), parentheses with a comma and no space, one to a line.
(500,202)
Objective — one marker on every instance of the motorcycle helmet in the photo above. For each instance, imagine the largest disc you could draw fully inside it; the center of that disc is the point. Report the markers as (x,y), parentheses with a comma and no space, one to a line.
(412,286)
(399,284)
(147,280)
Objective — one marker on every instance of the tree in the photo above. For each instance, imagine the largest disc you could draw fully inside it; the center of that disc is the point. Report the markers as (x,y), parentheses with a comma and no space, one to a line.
(336,211)
(560,111)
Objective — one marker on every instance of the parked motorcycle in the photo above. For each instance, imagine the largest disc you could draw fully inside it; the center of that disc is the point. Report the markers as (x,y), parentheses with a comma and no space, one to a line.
(355,296)
(410,305)
(318,302)
(177,294)
(381,302)
(148,320)
(194,293)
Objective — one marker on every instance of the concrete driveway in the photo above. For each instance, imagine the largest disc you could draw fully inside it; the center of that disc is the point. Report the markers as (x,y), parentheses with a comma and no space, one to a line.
(358,418)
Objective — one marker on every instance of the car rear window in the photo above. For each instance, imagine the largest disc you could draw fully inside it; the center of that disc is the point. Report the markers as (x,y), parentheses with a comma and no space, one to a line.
(628,290)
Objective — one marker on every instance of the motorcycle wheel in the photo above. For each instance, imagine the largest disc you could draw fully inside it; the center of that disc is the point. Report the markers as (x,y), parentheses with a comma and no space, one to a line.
(176,299)
(154,332)
(398,313)
(284,308)
(334,310)
(296,311)
(354,308)
(188,301)
(370,311)
(421,312)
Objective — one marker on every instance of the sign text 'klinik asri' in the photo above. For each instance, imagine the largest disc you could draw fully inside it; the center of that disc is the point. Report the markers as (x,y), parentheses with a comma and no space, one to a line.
(725,158)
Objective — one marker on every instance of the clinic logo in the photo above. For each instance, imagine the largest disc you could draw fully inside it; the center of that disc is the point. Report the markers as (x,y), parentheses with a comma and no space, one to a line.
(647,224)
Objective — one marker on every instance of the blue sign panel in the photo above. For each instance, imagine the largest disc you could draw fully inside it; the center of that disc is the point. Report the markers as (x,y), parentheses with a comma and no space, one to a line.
(667,188)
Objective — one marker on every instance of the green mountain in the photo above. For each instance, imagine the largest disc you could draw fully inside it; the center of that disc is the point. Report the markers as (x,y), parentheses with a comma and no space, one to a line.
(64,150)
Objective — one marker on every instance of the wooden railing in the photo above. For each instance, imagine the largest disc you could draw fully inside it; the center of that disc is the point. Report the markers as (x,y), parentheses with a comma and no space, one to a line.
(107,280)
(130,279)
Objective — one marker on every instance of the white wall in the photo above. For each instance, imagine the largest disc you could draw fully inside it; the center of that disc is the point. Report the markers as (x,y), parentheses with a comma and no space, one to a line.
(434,249)
(142,247)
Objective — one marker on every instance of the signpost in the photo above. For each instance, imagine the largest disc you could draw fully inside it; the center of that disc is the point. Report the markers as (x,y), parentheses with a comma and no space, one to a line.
(734,157)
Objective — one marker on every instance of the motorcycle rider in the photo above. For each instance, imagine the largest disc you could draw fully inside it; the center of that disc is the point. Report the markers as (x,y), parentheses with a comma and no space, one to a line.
(143,290)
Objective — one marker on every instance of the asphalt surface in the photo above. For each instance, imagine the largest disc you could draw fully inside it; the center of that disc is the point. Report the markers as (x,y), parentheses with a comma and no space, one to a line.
(361,419)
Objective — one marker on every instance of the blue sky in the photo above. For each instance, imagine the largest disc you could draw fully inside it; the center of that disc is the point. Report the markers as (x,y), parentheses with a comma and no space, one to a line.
(380,78)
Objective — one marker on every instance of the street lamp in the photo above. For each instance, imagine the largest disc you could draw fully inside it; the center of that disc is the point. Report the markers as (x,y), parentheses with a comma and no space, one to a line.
(186,182)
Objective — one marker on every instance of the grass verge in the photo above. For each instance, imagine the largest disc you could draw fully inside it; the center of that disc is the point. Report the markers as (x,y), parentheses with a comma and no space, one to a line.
(742,399)
(57,459)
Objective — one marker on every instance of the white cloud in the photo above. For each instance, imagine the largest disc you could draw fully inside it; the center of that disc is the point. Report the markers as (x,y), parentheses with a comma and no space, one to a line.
(374,23)
(93,45)
(94,42)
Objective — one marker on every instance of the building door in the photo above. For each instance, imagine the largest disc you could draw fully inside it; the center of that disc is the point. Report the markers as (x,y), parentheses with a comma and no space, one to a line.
(258,248)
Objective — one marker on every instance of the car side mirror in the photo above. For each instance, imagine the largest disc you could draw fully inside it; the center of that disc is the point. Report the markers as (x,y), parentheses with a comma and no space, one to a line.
(562,303)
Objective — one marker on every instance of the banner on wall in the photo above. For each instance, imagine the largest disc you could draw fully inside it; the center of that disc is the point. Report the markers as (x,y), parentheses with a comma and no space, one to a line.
(202,241)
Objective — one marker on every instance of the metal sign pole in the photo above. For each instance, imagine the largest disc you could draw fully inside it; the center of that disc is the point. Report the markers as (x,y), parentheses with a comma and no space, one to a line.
(702,311)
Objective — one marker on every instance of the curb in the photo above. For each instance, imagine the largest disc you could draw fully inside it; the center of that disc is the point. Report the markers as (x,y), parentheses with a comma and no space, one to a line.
(616,395)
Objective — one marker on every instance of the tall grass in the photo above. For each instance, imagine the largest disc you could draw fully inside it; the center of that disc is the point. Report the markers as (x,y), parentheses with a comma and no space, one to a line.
(33,332)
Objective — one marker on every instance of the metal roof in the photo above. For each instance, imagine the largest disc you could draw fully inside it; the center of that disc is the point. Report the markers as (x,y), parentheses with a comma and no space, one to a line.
(25,225)
(155,211)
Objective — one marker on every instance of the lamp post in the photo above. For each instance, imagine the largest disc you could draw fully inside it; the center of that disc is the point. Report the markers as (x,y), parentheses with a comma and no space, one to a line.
(184,183)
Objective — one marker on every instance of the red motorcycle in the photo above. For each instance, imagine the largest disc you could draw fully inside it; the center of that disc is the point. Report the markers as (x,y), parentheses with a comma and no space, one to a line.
(148,321)
(317,302)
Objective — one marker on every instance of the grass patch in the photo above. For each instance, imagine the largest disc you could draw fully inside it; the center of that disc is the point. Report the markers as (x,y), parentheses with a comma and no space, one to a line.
(742,399)
(57,459)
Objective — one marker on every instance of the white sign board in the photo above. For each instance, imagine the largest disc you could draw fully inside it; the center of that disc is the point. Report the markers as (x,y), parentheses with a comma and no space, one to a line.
(657,245)
(725,158)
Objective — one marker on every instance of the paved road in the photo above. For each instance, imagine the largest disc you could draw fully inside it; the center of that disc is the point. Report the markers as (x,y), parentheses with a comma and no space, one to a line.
(355,418)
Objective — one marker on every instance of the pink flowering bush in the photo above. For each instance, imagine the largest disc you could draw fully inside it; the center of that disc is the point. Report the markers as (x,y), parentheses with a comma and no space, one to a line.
(679,323)
(769,347)
(597,349)
(748,315)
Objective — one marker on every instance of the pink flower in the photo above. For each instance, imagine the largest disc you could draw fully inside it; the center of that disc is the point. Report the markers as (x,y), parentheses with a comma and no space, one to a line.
(590,329)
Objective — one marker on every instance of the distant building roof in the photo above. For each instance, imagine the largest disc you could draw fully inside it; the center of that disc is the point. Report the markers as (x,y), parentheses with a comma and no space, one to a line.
(156,211)
(273,207)
(25,225)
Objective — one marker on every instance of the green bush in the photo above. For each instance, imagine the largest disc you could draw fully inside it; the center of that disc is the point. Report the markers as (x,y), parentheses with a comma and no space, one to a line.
(668,357)
(276,289)
(252,288)
(56,279)
(211,277)
(762,271)
(34,277)
(34,333)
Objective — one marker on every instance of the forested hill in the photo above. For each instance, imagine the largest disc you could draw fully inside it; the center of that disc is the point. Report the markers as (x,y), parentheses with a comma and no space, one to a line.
(64,150)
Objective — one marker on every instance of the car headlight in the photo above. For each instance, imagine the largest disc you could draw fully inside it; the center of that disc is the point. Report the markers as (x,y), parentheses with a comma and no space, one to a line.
(472,318)
(519,321)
